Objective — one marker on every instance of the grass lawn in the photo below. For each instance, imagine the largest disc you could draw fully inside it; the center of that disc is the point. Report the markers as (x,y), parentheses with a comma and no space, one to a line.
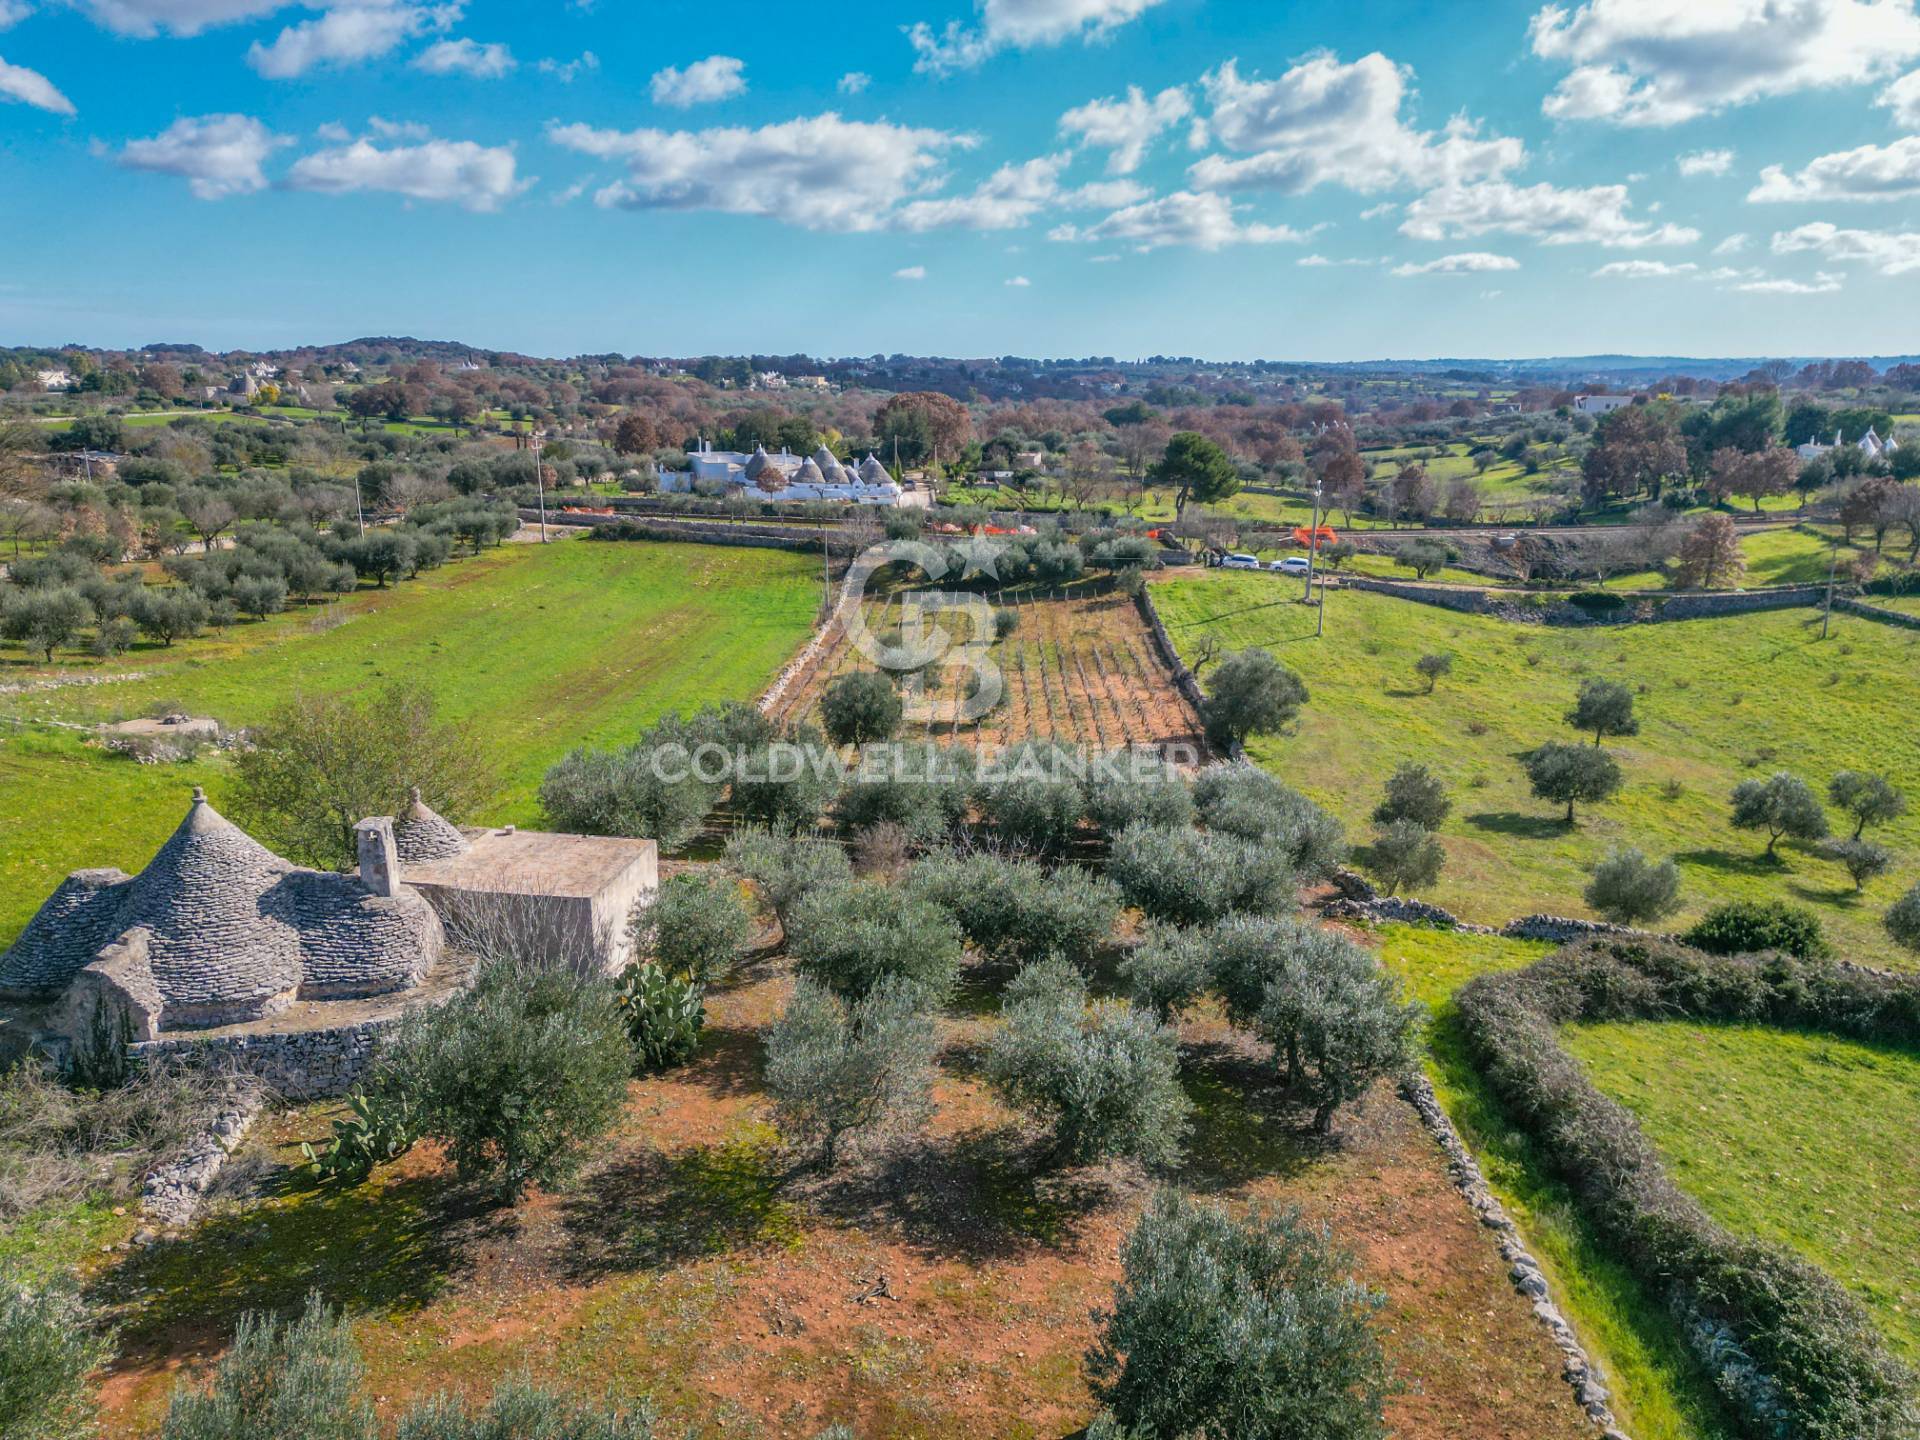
(1804,1140)
(542,647)
(1723,700)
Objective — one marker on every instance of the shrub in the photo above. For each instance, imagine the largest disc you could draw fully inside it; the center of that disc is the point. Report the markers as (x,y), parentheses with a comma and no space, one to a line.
(1168,970)
(694,925)
(787,787)
(836,1068)
(1251,694)
(1186,877)
(1006,620)
(1014,910)
(1861,859)
(923,789)
(1405,855)
(1103,1077)
(859,708)
(1136,785)
(379,1128)
(49,1347)
(786,868)
(1032,797)
(1244,800)
(853,937)
(664,1014)
(1252,1329)
(1570,774)
(297,1381)
(1782,805)
(516,1076)
(1416,794)
(1629,889)
(522,1410)
(1747,927)
(1431,668)
(1903,919)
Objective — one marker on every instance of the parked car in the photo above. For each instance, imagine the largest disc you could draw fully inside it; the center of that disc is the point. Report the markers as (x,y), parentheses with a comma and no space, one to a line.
(1240,562)
(1291,565)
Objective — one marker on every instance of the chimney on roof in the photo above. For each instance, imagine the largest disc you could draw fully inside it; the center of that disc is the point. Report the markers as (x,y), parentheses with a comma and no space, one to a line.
(379,860)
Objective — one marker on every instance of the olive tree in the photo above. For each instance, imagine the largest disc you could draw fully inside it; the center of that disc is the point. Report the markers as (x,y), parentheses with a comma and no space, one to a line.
(1861,859)
(1604,707)
(1248,1328)
(1168,970)
(1187,877)
(693,925)
(1869,799)
(1903,919)
(787,786)
(852,937)
(1016,910)
(837,1067)
(1405,855)
(1237,798)
(1251,694)
(1432,668)
(860,708)
(1783,805)
(1414,793)
(1629,889)
(49,1346)
(1572,774)
(786,868)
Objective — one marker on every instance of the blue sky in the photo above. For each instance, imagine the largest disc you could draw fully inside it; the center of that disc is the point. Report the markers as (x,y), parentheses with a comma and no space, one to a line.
(1034,177)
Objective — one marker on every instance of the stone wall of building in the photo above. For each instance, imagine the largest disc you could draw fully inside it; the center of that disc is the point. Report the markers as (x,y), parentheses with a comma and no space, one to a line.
(300,1065)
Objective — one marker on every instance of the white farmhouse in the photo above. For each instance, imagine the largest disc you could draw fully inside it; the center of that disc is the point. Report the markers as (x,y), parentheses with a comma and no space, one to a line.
(1600,404)
(819,476)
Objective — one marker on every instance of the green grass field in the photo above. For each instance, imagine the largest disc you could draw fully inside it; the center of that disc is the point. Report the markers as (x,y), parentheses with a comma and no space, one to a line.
(543,648)
(1723,700)
(1803,1140)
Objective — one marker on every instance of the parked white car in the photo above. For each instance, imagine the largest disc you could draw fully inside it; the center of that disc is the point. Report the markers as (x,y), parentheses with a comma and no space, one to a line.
(1240,562)
(1291,565)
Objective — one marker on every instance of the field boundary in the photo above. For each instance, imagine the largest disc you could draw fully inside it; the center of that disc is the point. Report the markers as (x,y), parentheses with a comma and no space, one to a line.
(1553,608)
(1873,612)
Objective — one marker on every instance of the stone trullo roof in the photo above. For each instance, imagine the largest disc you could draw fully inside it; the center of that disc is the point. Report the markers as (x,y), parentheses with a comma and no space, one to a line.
(808,473)
(229,930)
(873,472)
(423,835)
(758,462)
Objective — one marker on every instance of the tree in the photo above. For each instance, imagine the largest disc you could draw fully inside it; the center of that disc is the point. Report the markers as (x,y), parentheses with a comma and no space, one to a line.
(925,424)
(1168,970)
(1186,877)
(1239,1329)
(1103,1077)
(1571,774)
(787,868)
(1869,799)
(1606,708)
(1251,694)
(169,614)
(694,925)
(787,785)
(1015,911)
(1755,475)
(1710,555)
(1636,448)
(635,435)
(860,708)
(49,1347)
(1861,859)
(1423,557)
(44,618)
(1414,793)
(836,1067)
(1629,889)
(515,1076)
(1405,855)
(318,766)
(1431,668)
(1903,919)
(1336,1020)
(1197,469)
(1783,805)
(853,937)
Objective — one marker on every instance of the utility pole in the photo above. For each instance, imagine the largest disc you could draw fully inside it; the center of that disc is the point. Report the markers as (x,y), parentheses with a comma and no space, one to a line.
(539,477)
(359,507)
(1313,542)
(1833,571)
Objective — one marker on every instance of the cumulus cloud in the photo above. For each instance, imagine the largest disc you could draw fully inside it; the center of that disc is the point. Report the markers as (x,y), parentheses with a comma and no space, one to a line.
(1870,172)
(30,87)
(347,35)
(1203,221)
(1324,122)
(1643,270)
(911,272)
(1018,282)
(854,81)
(466,57)
(567,71)
(819,173)
(1471,262)
(147,18)
(1659,62)
(217,155)
(12,12)
(1732,245)
(477,177)
(1017,25)
(1596,215)
(718,77)
(1126,127)
(1013,195)
(1821,284)
(1705,162)
(1891,252)
(1903,98)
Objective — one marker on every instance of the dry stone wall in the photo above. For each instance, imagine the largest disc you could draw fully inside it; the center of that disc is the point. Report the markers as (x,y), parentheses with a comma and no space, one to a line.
(302,1065)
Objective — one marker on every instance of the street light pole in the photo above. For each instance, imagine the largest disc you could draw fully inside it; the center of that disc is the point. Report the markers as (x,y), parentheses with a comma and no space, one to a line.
(539,479)
(1313,542)
(359,506)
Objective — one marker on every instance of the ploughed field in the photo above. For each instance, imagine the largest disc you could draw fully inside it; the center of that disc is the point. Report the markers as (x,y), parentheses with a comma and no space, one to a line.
(1719,701)
(542,648)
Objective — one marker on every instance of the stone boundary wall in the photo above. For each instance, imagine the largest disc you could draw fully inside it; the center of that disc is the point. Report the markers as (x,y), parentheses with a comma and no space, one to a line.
(1874,612)
(797,671)
(1651,606)
(173,1192)
(300,1064)
(1577,1367)
(693,532)
(1397,910)
(1184,680)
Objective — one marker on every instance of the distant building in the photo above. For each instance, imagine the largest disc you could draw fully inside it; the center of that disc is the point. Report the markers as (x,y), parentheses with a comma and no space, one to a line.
(1600,404)
(55,379)
(819,476)
(1869,445)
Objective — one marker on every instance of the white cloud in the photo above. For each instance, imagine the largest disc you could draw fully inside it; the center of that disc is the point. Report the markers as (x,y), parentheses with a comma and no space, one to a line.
(147,18)
(718,77)
(1659,62)
(1324,122)
(478,177)
(217,155)
(1017,25)
(567,71)
(1643,270)
(1903,98)
(1471,262)
(1019,282)
(1891,252)
(12,12)
(1125,128)
(1596,215)
(1203,221)
(1322,262)
(1705,162)
(1732,245)
(347,35)
(1821,284)
(854,81)
(1871,172)
(30,87)
(1491,294)
(1013,195)
(911,272)
(466,57)
(1103,259)
(819,173)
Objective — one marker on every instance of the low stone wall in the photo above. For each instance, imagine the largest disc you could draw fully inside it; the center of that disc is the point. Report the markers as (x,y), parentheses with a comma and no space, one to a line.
(1396,910)
(1875,612)
(694,532)
(1545,607)
(1447,597)
(1184,680)
(794,675)
(300,1064)
(173,1192)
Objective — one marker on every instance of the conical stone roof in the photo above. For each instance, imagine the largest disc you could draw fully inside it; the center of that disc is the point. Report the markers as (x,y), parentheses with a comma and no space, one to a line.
(422,835)
(758,462)
(808,473)
(873,472)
